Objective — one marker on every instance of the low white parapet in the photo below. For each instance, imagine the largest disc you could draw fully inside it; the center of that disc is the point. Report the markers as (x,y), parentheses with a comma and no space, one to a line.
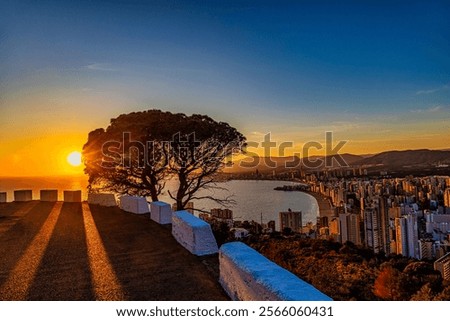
(49,195)
(72,196)
(246,275)
(161,212)
(134,204)
(103,199)
(2,197)
(193,233)
(24,195)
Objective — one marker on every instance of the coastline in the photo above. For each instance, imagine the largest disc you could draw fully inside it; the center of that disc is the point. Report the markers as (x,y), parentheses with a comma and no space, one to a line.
(325,207)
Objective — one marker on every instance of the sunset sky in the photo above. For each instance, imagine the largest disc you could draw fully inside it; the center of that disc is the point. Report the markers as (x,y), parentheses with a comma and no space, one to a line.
(376,73)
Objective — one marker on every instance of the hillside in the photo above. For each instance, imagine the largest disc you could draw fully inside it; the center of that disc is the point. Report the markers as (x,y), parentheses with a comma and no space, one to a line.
(420,157)
(265,164)
(348,272)
(390,159)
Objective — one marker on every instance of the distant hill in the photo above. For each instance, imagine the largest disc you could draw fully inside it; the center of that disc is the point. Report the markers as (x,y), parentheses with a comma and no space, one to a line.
(263,164)
(333,160)
(395,159)
(390,159)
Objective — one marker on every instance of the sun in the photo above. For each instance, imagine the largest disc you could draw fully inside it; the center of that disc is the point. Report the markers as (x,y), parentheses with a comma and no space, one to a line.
(74,158)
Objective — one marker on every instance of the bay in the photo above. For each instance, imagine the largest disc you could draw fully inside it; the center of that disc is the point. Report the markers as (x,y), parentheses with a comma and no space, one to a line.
(255,199)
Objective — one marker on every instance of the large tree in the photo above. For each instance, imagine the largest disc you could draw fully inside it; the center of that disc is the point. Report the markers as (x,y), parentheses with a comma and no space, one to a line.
(140,151)
(198,151)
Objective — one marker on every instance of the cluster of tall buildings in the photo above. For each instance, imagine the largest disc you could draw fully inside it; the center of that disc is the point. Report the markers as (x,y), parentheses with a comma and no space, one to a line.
(407,216)
(189,207)
(290,220)
(218,216)
(222,213)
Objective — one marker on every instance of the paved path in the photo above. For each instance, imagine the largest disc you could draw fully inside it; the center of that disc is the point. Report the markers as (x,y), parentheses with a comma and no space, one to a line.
(76,251)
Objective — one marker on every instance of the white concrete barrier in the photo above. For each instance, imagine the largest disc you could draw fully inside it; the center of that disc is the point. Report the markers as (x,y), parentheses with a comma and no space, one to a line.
(2,197)
(161,212)
(72,196)
(134,204)
(23,195)
(246,275)
(193,233)
(103,199)
(49,195)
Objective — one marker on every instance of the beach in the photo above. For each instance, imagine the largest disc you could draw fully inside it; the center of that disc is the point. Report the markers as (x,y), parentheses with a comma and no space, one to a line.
(325,206)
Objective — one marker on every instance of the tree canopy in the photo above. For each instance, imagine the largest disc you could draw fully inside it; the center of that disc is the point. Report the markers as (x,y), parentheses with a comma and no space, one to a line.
(138,152)
(350,272)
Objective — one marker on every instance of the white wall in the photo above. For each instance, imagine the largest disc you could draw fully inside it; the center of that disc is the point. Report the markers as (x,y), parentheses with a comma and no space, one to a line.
(193,233)
(246,275)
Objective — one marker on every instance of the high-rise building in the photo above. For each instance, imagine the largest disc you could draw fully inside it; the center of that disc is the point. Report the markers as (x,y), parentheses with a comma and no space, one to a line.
(372,233)
(401,236)
(381,203)
(443,265)
(413,236)
(225,214)
(290,219)
(394,212)
(376,226)
(406,233)
(426,249)
(189,207)
(343,227)
(349,228)
(447,197)
(334,229)
(353,228)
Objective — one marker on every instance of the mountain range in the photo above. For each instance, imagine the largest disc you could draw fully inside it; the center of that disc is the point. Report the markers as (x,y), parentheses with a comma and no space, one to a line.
(392,160)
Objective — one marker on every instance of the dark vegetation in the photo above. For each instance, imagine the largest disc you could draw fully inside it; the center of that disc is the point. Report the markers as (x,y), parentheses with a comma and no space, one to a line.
(347,272)
(138,152)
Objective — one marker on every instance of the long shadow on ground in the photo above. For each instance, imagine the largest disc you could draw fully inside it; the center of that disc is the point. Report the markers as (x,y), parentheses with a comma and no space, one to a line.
(148,261)
(64,272)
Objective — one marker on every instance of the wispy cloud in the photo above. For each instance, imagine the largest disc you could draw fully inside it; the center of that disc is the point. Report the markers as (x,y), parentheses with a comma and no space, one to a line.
(100,67)
(428,91)
(433,90)
(428,110)
(344,126)
(257,133)
(434,109)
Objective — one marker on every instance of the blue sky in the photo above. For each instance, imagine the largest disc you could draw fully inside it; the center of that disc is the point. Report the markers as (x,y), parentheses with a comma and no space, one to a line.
(377,73)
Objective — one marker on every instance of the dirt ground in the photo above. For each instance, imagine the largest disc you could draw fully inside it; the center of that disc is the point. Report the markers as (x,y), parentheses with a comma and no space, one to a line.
(74,251)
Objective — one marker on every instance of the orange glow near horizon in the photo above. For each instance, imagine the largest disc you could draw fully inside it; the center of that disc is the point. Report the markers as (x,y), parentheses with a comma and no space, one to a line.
(39,152)
(58,155)
(41,156)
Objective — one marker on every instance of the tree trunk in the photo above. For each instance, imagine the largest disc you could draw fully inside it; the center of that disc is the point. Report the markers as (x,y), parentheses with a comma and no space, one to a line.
(181,191)
(153,193)
(152,186)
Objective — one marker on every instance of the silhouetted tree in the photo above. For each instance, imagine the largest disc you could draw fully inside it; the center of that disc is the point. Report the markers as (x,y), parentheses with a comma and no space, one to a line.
(139,151)
(222,233)
(200,148)
(128,156)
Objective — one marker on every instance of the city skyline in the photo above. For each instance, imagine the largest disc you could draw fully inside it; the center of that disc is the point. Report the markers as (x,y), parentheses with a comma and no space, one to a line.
(375,74)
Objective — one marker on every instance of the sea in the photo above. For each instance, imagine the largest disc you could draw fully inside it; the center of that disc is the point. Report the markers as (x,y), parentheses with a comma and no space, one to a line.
(254,199)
